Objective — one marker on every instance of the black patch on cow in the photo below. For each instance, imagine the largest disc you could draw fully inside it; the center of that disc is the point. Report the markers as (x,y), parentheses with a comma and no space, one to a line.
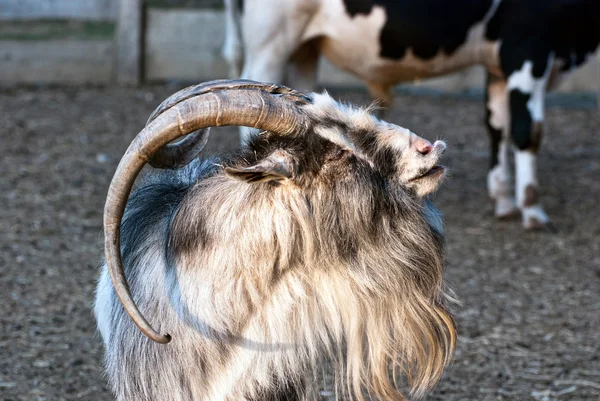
(520,124)
(513,57)
(495,138)
(359,7)
(532,30)
(522,28)
(426,26)
(574,30)
(494,25)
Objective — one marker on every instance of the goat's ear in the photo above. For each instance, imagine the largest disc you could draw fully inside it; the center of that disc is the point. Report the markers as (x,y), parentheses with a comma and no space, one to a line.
(278,167)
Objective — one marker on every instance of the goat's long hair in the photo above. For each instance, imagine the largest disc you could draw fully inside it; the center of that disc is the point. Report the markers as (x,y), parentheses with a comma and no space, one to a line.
(268,287)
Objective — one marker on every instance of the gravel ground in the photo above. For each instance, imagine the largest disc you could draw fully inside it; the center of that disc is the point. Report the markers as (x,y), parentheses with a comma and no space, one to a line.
(530,313)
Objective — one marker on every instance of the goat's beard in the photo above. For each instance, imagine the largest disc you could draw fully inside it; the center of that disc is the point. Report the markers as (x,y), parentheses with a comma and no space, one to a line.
(369,332)
(300,295)
(374,330)
(384,308)
(382,337)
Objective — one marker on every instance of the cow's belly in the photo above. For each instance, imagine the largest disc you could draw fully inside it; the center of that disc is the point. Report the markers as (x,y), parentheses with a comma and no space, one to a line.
(353,45)
(370,67)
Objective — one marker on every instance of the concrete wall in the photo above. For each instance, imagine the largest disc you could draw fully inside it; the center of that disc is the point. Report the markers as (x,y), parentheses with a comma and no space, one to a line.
(184,45)
(57,9)
(56,62)
(57,41)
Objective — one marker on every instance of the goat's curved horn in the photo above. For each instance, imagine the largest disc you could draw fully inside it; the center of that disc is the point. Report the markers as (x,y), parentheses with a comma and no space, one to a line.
(217,103)
(177,155)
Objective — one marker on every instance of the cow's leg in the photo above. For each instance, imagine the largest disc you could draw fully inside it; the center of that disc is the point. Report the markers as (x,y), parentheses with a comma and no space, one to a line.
(302,69)
(382,95)
(271,36)
(232,50)
(526,97)
(264,65)
(497,123)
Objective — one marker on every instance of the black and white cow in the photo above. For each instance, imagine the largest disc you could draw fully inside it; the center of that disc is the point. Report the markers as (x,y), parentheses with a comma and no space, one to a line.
(525,45)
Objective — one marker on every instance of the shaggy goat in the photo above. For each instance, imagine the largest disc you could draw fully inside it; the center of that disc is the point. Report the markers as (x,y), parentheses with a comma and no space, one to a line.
(313,246)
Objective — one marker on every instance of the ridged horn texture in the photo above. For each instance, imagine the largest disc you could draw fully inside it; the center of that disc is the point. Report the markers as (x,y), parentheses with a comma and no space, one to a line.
(177,155)
(211,104)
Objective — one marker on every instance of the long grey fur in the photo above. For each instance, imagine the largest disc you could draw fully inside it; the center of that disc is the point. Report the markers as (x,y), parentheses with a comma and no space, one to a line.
(289,256)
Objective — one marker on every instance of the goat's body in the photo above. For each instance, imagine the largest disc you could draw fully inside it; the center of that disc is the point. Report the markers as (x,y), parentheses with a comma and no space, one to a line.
(220,307)
(263,284)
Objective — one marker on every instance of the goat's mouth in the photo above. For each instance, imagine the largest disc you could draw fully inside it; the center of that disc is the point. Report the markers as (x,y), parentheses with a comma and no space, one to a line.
(435,171)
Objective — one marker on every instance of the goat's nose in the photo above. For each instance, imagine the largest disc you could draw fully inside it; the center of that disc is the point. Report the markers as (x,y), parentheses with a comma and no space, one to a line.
(423,146)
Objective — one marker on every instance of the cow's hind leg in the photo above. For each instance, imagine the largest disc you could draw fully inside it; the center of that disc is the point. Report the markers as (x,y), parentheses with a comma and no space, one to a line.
(497,123)
(232,50)
(263,65)
(271,36)
(302,68)
(527,87)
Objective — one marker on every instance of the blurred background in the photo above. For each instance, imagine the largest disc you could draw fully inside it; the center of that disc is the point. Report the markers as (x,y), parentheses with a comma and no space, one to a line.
(79,42)
(79,78)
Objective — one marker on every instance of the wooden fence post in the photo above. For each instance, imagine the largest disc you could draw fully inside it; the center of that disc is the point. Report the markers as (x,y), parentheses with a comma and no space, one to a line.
(129,42)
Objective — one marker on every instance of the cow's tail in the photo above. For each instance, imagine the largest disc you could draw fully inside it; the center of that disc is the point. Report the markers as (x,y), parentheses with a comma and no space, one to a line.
(233,50)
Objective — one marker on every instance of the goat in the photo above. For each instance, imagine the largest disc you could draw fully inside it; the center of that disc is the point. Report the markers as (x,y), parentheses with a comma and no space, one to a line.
(527,47)
(315,244)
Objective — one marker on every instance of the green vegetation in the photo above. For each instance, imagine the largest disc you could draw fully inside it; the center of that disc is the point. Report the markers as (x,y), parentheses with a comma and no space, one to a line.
(56,29)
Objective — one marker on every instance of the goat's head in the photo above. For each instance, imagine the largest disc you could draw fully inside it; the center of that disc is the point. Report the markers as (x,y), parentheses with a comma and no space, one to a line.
(396,154)
(362,182)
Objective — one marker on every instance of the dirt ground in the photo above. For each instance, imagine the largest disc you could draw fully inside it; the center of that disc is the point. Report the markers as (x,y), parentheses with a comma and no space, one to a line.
(530,314)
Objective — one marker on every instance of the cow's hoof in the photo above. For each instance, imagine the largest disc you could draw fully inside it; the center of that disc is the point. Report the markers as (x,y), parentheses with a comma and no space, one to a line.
(506,209)
(534,218)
